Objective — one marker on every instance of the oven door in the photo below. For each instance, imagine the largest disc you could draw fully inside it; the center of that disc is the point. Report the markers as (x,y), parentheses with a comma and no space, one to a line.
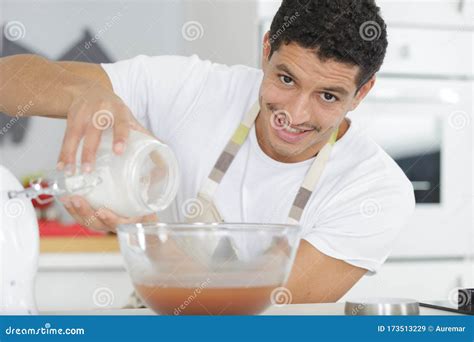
(426,126)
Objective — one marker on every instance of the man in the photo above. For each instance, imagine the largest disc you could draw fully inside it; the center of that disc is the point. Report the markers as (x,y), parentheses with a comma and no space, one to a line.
(318,64)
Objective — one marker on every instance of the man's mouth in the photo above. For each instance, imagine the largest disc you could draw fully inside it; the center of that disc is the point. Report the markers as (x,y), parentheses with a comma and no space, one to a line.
(291,134)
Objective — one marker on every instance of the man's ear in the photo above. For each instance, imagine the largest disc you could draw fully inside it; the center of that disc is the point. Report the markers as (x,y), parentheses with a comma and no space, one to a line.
(362,92)
(266,49)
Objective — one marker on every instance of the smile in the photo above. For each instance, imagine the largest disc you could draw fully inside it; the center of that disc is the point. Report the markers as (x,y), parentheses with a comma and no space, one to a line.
(291,134)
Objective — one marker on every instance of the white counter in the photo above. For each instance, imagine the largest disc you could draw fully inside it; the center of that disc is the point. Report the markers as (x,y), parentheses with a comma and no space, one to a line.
(320,309)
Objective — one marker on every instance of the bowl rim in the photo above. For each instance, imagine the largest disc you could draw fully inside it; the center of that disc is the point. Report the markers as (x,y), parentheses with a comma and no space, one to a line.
(206,226)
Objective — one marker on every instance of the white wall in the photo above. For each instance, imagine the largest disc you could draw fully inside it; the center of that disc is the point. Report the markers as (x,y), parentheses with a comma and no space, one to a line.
(230,30)
(125,29)
(51,27)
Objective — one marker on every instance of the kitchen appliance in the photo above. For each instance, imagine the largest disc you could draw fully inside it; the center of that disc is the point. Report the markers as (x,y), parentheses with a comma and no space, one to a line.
(420,113)
(19,249)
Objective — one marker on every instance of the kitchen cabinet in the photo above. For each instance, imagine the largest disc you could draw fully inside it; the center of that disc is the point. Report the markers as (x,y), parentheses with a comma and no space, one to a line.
(432,13)
(430,52)
(81,281)
(418,44)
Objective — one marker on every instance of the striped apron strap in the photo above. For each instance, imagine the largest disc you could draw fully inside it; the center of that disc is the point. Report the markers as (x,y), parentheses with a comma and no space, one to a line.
(209,187)
(227,156)
(311,180)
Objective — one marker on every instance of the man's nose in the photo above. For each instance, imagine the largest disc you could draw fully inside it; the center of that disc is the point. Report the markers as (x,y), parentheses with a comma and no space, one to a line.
(300,111)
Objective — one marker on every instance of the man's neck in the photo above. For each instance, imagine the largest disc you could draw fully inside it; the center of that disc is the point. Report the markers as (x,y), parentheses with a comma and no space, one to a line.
(343,127)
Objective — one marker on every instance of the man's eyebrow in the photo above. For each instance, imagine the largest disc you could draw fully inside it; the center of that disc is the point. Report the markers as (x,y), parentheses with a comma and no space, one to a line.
(340,90)
(284,68)
(336,89)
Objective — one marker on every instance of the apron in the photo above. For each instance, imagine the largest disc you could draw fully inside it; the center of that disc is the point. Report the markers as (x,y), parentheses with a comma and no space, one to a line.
(224,248)
(209,212)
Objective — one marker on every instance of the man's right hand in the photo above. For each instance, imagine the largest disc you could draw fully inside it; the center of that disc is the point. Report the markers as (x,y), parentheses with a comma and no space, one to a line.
(81,93)
(93,110)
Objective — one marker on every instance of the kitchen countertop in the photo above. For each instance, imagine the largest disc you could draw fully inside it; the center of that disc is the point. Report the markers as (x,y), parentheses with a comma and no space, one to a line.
(319,309)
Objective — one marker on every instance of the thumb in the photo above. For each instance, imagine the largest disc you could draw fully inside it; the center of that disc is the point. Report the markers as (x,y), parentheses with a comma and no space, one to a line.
(152,218)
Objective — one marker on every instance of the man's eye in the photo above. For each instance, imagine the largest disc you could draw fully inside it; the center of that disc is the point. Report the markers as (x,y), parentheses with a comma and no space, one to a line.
(328,97)
(286,80)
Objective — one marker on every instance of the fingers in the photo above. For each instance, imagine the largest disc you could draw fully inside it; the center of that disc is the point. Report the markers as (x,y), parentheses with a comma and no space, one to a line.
(110,219)
(67,156)
(88,117)
(101,219)
(153,218)
(113,220)
(121,132)
(89,149)
(85,215)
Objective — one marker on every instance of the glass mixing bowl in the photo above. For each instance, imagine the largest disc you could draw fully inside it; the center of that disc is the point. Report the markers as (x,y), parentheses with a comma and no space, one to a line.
(208,268)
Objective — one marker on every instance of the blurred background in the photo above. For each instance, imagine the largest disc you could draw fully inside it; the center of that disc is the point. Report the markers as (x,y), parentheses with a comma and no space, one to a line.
(420,112)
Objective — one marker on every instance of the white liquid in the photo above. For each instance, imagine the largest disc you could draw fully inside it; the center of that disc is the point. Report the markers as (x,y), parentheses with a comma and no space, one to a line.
(110,195)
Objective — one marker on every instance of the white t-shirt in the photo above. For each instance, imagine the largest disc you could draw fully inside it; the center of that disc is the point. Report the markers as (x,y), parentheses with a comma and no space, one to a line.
(359,206)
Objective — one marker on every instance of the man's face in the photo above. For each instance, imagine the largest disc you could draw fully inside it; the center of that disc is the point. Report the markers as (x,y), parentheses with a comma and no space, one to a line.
(302,100)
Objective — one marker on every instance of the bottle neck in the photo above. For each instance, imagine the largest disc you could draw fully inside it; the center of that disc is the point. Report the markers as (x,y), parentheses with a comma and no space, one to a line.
(57,184)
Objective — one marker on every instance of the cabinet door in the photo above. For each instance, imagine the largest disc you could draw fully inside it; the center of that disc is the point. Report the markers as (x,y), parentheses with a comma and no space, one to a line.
(426,13)
(81,281)
(430,52)
(82,289)
(435,13)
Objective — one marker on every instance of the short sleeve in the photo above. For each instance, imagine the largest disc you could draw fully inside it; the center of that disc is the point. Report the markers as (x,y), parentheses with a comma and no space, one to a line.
(159,90)
(361,223)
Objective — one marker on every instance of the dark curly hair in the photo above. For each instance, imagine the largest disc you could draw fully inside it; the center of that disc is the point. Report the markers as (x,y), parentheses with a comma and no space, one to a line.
(348,31)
